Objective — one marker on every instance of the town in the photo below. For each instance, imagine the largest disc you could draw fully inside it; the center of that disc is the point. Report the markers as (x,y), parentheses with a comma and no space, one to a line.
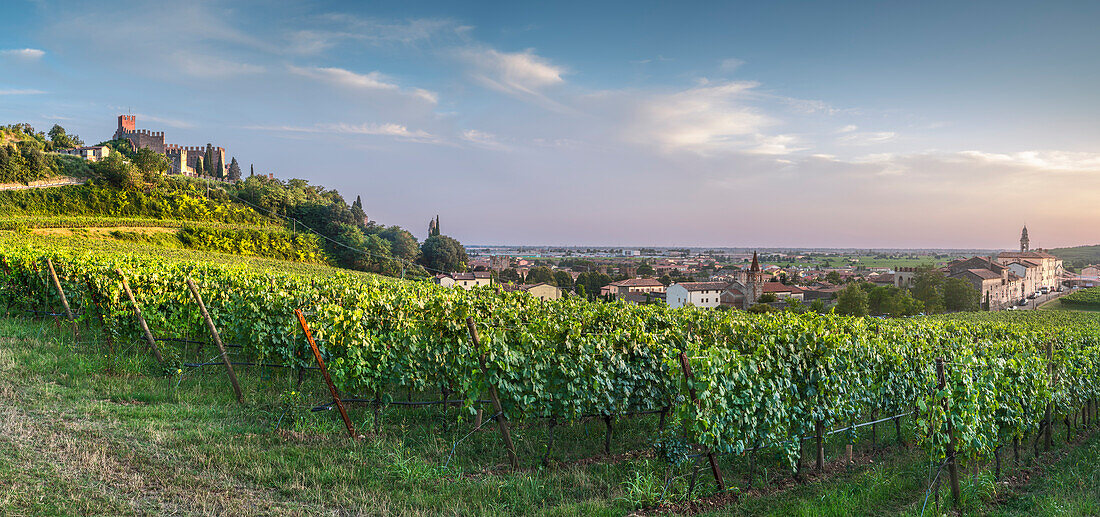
(737,279)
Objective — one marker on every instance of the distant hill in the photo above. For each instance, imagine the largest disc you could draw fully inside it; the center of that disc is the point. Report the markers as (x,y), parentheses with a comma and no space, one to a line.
(1078,257)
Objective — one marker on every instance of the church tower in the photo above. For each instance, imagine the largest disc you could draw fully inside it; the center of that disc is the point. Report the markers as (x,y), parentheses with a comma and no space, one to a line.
(1025,243)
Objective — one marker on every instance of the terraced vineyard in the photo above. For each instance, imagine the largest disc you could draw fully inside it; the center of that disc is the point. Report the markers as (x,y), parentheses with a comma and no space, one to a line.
(727,382)
(1085,298)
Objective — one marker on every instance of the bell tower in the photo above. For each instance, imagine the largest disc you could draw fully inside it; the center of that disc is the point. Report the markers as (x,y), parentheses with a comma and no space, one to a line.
(1025,243)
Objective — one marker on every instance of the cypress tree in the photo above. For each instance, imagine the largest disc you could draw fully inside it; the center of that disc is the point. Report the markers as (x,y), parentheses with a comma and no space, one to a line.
(208,161)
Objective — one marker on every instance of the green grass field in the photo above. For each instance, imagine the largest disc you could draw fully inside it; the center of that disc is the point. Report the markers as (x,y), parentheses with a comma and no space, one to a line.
(76,440)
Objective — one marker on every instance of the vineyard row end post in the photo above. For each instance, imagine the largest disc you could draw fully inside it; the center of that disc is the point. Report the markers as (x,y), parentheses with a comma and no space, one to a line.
(502,422)
(141,319)
(217,339)
(328,378)
(64,300)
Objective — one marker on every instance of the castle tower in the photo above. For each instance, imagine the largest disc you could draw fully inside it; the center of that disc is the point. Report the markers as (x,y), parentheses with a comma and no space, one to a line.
(127,123)
(1025,243)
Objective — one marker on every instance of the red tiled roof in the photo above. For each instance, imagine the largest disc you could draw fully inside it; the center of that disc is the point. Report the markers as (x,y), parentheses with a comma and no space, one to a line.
(703,286)
(778,287)
(638,282)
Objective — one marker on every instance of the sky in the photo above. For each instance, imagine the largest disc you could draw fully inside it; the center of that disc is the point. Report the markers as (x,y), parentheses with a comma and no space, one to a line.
(739,124)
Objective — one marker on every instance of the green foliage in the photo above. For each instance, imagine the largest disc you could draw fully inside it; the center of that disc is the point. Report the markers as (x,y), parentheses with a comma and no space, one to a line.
(121,146)
(1083,298)
(541,274)
(59,139)
(175,199)
(852,301)
(442,253)
(960,295)
(768,298)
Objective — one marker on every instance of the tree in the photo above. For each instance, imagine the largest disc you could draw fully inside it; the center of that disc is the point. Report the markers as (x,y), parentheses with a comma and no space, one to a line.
(251,170)
(118,172)
(960,295)
(665,279)
(440,253)
(767,298)
(208,161)
(927,286)
(539,275)
(402,243)
(61,140)
(151,164)
(234,170)
(200,169)
(509,275)
(219,168)
(852,301)
(592,282)
(833,277)
(563,279)
(645,270)
(817,306)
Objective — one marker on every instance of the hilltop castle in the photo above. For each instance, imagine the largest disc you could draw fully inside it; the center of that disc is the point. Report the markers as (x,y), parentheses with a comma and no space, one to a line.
(183,160)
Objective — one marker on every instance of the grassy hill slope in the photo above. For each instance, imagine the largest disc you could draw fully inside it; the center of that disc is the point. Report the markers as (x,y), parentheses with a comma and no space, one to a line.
(1078,256)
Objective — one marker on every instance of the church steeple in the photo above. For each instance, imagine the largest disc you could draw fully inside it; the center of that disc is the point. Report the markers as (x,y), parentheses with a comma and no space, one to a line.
(1025,243)
(755,267)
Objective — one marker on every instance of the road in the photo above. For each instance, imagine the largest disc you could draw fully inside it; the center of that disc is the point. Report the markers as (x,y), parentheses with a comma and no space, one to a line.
(1039,300)
(45,184)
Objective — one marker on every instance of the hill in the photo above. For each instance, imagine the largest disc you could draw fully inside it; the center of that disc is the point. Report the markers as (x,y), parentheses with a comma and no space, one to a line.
(257,216)
(1078,257)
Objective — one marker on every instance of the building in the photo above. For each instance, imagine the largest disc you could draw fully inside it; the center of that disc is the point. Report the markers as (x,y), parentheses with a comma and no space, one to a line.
(1050,267)
(465,280)
(182,160)
(746,287)
(882,279)
(542,291)
(635,285)
(998,286)
(92,153)
(699,294)
(784,292)
(905,277)
(642,298)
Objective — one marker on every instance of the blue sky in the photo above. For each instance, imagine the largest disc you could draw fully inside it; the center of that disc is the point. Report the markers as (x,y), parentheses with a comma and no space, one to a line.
(876,124)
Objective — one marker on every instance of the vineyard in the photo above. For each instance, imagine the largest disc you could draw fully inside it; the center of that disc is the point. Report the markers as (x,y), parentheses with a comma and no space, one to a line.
(1085,298)
(719,383)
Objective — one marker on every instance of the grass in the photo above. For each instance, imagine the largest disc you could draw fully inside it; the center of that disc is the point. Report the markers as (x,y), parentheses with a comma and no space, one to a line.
(1057,305)
(75,440)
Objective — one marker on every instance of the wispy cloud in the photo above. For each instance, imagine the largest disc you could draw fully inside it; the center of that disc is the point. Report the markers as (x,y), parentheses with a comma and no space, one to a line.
(521,74)
(392,130)
(21,92)
(706,119)
(853,137)
(369,81)
(1061,161)
(336,28)
(482,139)
(730,64)
(26,54)
(204,66)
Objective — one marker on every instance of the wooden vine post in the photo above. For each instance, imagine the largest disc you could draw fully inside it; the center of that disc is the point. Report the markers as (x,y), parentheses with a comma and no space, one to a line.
(502,422)
(141,319)
(956,492)
(217,339)
(715,470)
(64,300)
(324,373)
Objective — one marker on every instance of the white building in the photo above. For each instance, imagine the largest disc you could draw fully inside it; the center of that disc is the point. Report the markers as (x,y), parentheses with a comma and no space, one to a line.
(699,294)
(465,280)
